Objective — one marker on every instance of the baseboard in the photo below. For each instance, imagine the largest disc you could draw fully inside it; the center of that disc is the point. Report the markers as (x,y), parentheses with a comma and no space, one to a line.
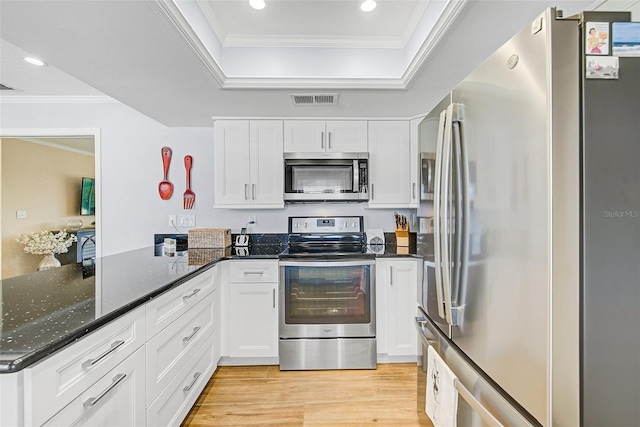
(247,361)
(385,358)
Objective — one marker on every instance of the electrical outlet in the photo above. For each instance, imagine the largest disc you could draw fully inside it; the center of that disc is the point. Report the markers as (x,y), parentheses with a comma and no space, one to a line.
(253,218)
(21,214)
(187,220)
(172,221)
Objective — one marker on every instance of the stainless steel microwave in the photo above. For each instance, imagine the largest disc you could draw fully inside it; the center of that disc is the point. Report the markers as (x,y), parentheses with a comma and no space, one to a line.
(312,177)
(427,175)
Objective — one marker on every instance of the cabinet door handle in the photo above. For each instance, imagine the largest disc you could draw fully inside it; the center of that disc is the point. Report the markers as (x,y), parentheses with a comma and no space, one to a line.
(322,140)
(195,331)
(92,401)
(89,363)
(250,273)
(274,297)
(253,191)
(413,191)
(195,378)
(329,140)
(192,294)
(372,191)
(391,275)
(246,188)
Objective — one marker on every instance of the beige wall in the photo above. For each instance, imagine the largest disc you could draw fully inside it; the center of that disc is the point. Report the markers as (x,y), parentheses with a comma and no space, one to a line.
(45,181)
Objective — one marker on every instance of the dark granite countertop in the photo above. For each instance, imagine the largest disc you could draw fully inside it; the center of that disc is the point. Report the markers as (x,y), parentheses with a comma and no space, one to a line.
(44,311)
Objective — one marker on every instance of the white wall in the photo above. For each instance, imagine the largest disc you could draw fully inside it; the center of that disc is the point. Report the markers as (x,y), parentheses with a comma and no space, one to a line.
(131,168)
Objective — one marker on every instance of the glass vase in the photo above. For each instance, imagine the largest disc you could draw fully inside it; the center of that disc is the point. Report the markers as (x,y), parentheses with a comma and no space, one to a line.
(49,261)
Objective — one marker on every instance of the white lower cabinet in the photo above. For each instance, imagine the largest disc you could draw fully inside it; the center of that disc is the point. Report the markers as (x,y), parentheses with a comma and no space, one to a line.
(168,351)
(122,374)
(397,281)
(253,309)
(117,399)
(56,381)
(175,401)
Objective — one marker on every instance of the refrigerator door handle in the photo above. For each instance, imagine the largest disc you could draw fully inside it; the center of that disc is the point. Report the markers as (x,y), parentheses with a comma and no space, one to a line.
(460,237)
(446,212)
(437,223)
(465,231)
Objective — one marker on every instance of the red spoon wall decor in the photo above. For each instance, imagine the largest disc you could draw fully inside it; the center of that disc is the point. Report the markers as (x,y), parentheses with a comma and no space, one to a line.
(165,188)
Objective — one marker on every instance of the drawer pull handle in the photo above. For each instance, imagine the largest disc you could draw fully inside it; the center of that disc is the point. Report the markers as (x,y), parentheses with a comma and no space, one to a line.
(248,273)
(195,331)
(89,363)
(92,401)
(195,378)
(192,294)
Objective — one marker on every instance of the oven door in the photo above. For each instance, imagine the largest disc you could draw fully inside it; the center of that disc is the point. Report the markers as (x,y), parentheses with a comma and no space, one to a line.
(327,299)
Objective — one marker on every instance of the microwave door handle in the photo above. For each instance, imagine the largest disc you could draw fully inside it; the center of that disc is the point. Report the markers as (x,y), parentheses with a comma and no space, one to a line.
(430,171)
(356,176)
(437,207)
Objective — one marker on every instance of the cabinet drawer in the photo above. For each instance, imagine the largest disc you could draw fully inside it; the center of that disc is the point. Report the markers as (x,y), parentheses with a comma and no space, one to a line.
(117,399)
(53,383)
(253,271)
(169,306)
(175,401)
(167,351)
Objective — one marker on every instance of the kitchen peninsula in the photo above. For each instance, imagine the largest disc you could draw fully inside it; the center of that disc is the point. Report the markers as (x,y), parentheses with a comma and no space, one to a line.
(72,334)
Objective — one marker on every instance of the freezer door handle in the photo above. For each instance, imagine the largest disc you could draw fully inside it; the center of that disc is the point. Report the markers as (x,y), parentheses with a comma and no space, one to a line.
(422,326)
(484,413)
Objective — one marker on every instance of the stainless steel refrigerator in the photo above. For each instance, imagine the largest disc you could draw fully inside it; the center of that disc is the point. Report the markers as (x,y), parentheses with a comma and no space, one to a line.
(533,295)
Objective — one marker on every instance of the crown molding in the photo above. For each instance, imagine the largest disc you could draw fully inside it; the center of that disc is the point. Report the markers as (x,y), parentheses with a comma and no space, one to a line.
(339,42)
(57,146)
(444,22)
(180,25)
(29,99)
(312,83)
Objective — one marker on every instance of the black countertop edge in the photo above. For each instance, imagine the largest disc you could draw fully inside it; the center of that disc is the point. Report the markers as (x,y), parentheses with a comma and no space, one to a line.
(15,365)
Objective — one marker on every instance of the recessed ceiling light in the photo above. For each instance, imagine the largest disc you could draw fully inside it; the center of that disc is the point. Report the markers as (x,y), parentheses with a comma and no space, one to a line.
(35,61)
(368,5)
(257,4)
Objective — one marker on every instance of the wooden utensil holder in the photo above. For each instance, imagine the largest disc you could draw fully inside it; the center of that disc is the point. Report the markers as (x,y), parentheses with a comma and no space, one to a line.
(402,237)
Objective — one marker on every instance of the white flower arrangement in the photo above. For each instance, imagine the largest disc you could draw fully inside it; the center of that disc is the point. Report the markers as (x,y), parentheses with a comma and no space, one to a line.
(47,242)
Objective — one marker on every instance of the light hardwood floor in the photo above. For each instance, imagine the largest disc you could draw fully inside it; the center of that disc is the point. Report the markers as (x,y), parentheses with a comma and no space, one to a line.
(264,395)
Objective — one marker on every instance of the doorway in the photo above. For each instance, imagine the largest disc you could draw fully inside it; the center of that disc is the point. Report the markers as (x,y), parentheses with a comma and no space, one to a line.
(41,175)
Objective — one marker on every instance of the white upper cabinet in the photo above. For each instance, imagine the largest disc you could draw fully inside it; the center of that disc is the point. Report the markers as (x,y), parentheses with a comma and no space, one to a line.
(390,164)
(319,136)
(249,169)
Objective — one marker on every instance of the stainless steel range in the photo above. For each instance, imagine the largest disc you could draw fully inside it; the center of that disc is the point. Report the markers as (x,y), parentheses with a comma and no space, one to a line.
(327,303)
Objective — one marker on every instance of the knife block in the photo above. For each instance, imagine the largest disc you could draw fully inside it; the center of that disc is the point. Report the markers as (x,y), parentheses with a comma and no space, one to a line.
(402,237)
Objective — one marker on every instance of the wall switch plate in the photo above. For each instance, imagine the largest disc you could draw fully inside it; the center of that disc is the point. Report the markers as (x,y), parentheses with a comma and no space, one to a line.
(172,221)
(187,220)
(21,214)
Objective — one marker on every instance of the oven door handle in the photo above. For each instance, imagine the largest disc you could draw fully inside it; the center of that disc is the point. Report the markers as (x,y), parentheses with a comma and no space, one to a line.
(319,262)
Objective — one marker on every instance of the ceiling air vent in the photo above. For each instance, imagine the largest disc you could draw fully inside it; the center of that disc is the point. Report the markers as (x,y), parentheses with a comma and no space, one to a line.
(314,98)
(3,87)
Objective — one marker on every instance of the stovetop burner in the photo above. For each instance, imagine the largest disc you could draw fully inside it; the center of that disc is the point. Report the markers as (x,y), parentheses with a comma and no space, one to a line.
(327,237)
